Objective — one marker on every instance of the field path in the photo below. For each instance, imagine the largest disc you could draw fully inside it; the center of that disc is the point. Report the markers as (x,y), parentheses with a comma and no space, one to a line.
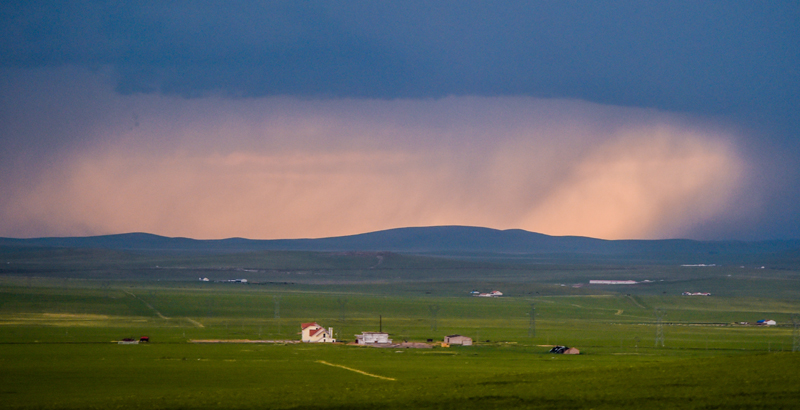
(194,322)
(147,304)
(356,370)
(635,302)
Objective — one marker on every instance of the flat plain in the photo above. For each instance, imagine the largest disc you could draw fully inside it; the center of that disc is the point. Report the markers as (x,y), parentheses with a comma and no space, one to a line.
(62,311)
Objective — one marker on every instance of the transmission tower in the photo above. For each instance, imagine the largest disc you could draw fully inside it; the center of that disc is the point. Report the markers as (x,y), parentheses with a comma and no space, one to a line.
(434,309)
(532,321)
(659,312)
(342,309)
(795,332)
(277,311)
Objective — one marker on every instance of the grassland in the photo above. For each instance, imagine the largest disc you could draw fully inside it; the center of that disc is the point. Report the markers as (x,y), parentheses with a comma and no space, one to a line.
(60,312)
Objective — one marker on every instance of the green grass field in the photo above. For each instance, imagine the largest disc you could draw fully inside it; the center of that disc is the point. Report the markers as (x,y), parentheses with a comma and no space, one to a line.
(60,316)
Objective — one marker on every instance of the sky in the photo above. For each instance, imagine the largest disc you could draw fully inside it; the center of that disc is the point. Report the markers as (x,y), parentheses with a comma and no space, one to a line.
(307,119)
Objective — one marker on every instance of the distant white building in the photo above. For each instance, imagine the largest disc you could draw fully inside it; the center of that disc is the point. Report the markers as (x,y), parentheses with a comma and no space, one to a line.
(492,294)
(369,338)
(612,282)
(314,333)
(458,340)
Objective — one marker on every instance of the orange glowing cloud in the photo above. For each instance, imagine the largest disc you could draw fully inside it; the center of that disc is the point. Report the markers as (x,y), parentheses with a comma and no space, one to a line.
(285,168)
(652,185)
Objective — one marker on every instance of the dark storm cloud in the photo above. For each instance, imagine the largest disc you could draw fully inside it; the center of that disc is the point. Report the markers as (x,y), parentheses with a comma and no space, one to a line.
(726,57)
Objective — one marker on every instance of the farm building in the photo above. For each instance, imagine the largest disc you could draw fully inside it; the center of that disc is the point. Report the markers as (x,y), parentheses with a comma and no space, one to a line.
(458,340)
(766,322)
(314,333)
(370,338)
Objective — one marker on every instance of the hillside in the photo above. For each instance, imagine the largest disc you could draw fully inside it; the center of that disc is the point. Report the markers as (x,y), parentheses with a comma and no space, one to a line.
(452,241)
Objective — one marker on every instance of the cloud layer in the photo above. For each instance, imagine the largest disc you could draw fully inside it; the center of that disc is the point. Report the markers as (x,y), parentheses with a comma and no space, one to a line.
(284,167)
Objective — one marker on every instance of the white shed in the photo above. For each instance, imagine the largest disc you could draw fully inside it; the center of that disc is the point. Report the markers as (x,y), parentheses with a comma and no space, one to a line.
(458,340)
(368,338)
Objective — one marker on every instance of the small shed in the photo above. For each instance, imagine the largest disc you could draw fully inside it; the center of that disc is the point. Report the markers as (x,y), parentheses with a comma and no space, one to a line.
(458,340)
(369,338)
(572,350)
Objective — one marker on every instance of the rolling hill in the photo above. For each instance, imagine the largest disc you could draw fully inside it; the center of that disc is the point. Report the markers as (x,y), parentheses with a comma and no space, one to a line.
(455,241)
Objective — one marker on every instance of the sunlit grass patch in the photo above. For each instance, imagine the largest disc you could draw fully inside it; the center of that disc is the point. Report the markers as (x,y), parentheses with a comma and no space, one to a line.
(65,320)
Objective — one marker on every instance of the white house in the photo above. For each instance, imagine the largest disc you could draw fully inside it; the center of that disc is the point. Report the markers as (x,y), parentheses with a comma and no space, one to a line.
(370,338)
(314,333)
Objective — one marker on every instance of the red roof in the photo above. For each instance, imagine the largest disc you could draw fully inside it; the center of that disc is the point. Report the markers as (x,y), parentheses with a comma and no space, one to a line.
(315,331)
(305,325)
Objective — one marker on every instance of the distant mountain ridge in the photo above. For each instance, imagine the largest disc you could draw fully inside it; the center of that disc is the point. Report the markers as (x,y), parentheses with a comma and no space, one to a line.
(435,239)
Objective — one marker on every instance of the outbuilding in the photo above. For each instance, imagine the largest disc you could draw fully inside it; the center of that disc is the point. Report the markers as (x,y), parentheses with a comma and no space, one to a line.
(458,340)
(372,338)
